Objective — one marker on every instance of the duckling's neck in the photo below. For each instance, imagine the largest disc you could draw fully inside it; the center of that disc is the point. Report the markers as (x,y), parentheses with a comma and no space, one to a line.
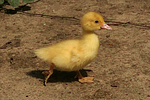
(90,43)
(89,35)
(88,32)
(90,39)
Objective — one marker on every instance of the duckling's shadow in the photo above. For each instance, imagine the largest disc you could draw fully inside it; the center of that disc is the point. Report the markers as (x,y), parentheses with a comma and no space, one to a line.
(57,76)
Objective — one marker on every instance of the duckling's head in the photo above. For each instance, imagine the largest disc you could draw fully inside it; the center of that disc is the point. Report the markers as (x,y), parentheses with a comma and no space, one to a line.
(92,21)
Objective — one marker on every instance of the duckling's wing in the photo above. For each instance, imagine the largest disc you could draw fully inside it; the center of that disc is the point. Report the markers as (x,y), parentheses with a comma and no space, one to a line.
(76,55)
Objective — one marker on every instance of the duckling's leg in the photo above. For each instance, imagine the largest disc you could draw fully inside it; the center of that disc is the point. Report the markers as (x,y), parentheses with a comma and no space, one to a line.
(48,73)
(82,79)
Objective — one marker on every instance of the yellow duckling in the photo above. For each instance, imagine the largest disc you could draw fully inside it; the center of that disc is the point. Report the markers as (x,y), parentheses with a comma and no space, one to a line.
(73,55)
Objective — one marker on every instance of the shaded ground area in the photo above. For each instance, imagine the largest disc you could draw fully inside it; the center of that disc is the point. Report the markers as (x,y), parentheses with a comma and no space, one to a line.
(121,70)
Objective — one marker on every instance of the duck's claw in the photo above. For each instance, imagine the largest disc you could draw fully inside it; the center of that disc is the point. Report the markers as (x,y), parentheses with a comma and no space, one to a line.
(86,80)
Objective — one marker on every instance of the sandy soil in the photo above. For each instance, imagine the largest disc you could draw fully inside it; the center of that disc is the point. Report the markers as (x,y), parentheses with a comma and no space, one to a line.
(121,70)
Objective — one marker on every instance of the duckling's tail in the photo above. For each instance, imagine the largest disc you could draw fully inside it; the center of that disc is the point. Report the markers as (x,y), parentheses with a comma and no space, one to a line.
(43,53)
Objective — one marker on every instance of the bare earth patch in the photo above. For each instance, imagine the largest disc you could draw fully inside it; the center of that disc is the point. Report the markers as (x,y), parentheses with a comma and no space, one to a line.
(121,70)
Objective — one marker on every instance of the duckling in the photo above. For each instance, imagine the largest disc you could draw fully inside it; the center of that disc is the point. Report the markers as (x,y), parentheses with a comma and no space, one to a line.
(73,55)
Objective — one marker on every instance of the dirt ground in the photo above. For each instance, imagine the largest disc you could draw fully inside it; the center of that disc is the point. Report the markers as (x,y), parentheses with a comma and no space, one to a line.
(121,69)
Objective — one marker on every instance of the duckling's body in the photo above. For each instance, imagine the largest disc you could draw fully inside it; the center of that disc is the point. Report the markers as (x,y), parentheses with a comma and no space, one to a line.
(73,55)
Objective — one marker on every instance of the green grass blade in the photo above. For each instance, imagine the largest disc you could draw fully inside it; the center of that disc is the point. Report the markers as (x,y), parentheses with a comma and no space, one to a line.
(27,1)
(14,3)
(1,1)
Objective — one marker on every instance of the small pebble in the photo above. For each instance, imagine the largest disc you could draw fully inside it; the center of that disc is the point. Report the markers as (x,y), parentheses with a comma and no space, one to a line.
(107,36)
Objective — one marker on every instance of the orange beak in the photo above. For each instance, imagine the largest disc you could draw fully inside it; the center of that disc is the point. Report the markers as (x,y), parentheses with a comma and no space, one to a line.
(105,26)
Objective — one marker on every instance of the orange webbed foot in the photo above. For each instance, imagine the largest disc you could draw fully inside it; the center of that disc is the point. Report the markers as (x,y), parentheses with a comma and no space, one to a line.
(82,79)
(86,80)
(48,73)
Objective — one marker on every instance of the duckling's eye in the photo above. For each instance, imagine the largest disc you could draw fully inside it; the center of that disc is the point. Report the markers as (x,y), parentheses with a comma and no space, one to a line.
(96,21)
